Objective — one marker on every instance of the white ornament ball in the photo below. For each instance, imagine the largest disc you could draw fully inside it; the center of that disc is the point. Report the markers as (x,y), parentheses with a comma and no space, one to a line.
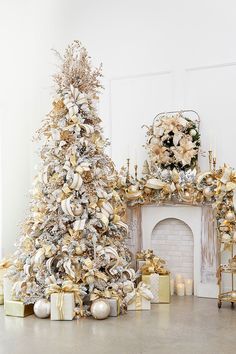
(100,309)
(193,132)
(42,308)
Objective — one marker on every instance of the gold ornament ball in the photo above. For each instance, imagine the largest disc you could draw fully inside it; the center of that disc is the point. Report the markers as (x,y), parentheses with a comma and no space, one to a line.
(100,309)
(230,216)
(42,308)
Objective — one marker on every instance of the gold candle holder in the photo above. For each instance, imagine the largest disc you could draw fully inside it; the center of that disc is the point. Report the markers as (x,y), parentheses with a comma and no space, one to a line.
(214,163)
(210,159)
(128,166)
(136,171)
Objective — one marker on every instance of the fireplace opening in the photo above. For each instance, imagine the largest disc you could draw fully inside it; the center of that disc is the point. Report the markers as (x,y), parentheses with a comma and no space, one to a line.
(172,240)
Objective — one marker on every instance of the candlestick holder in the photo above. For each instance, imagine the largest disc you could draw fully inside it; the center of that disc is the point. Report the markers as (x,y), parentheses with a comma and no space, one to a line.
(210,159)
(128,167)
(214,163)
(136,172)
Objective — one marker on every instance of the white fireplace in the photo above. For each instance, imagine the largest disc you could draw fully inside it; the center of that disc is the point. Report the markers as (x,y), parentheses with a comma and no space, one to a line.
(178,232)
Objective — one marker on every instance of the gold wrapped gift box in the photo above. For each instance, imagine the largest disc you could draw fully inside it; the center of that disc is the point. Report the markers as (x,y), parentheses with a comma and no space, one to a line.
(18,309)
(160,287)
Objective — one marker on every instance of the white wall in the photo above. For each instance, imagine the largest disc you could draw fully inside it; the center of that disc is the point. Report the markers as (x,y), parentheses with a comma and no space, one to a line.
(157,55)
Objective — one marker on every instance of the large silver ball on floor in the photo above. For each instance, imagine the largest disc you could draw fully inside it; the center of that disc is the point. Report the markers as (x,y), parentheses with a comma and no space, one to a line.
(100,309)
(42,308)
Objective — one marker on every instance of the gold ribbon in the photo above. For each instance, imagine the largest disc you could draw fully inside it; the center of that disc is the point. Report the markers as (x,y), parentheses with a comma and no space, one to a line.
(67,287)
(145,254)
(142,291)
(107,294)
(155,265)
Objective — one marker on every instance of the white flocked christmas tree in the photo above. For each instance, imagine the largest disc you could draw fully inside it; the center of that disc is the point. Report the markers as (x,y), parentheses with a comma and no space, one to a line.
(73,231)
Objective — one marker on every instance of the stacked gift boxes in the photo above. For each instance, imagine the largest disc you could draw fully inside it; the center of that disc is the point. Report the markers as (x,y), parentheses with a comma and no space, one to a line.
(154,274)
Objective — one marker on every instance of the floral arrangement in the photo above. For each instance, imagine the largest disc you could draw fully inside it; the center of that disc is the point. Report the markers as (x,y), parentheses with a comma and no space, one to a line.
(173,142)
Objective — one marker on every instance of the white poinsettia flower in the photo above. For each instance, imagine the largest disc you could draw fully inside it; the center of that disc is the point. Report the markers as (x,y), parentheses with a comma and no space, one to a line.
(185,151)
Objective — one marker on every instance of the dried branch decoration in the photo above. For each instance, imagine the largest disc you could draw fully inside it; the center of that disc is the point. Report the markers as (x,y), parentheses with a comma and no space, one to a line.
(76,70)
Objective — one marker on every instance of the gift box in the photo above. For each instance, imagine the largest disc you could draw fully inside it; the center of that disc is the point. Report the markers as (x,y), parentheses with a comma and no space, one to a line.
(115,307)
(7,289)
(17,309)
(62,306)
(160,287)
(140,298)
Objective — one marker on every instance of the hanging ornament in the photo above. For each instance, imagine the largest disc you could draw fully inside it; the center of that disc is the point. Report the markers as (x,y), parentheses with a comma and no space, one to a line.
(100,309)
(42,308)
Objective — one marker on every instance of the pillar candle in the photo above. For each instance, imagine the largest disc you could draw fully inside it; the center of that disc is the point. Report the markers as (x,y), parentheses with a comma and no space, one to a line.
(188,287)
(180,289)
(178,278)
(172,287)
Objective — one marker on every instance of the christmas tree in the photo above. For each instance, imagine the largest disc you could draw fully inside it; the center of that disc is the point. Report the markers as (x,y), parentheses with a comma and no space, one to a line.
(74,229)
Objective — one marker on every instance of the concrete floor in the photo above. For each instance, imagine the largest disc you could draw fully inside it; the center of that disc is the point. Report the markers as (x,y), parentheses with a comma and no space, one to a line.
(188,325)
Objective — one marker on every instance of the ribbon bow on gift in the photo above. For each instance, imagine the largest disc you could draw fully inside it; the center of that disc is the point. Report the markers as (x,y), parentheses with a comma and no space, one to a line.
(145,254)
(143,290)
(66,287)
(106,294)
(155,265)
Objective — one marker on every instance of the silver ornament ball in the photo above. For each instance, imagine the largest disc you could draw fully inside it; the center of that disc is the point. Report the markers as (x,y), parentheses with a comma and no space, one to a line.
(100,309)
(42,308)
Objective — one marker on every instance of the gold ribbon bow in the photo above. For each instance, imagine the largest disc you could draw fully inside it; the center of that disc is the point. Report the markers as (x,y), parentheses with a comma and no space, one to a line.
(142,291)
(67,287)
(155,265)
(145,254)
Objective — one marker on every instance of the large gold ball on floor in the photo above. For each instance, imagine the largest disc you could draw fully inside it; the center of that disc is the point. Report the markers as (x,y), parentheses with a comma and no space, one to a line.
(100,309)
(42,308)
(229,216)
